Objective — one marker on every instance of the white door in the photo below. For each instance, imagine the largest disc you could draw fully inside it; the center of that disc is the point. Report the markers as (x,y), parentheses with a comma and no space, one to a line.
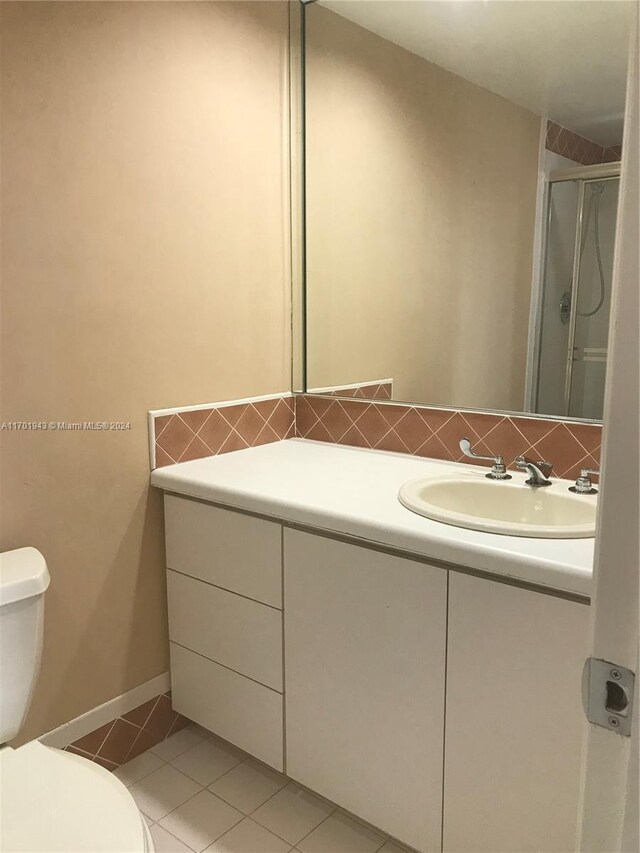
(609,810)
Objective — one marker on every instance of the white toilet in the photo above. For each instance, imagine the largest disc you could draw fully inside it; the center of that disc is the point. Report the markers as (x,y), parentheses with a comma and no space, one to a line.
(50,800)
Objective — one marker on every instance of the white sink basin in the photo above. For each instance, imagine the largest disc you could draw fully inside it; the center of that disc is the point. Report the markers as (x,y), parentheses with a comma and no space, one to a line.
(508,507)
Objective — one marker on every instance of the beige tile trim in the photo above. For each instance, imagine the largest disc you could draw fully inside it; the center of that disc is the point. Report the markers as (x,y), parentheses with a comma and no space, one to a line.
(219,405)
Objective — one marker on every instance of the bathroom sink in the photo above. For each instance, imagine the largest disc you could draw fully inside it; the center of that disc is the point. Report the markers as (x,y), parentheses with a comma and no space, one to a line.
(506,507)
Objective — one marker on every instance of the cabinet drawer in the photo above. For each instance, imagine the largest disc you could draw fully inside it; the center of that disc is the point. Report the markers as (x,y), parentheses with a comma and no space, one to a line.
(236,632)
(229,549)
(239,710)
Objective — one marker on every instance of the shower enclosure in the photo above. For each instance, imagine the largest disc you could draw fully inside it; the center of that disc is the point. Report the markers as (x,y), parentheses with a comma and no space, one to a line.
(576,292)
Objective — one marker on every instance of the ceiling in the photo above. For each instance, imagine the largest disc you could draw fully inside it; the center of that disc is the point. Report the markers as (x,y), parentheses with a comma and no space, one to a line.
(564,59)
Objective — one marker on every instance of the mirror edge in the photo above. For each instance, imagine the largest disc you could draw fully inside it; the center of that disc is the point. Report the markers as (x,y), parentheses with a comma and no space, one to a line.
(297,186)
(297,201)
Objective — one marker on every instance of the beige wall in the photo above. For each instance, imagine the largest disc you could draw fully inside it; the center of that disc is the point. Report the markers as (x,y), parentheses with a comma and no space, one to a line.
(421,202)
(143,266)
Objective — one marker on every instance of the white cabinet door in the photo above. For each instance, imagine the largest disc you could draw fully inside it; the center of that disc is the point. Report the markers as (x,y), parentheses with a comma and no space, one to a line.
(514,720)
(364,683)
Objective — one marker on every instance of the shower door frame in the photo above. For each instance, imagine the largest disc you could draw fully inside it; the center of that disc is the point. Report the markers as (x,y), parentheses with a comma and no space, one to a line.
(582,175)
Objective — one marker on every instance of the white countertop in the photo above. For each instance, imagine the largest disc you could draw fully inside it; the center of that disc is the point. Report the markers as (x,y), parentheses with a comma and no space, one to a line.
(354,492)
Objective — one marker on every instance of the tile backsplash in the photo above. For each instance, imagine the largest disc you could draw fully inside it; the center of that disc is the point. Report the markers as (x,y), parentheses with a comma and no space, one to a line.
(435,433)
(187,433)
(193,433)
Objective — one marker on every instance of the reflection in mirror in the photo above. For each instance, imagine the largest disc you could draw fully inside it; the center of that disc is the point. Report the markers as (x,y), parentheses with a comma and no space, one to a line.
(573,337)
(462,171)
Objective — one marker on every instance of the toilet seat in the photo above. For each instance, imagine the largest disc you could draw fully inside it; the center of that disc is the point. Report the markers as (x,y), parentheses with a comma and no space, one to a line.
(57,802)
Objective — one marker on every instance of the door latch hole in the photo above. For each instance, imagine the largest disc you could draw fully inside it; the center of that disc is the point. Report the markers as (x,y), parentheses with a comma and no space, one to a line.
(616,701)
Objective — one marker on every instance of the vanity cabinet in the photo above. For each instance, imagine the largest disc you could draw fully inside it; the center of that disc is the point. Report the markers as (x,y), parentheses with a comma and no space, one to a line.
(365,637)
(514,719)
(224,586)
(442,707)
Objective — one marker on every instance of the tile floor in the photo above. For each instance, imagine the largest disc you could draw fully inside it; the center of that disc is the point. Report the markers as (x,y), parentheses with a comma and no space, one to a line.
(200,793)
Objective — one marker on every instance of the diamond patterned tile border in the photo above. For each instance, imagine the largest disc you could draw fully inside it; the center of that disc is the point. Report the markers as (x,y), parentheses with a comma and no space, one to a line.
(124,738)
(435,433)
(197,433)
(376,391)
(562,141)
(361,422)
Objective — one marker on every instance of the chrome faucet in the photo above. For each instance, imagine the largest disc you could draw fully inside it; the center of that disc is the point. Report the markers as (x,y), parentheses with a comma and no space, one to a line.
(539,471)
(498,469)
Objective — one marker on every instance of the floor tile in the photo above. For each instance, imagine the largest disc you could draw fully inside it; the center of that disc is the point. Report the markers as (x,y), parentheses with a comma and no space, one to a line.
(390,847)
(201,820)
(177,743)
(248,785)
(138,768)
(208,760)
(292,813)
(341,834)
(162,791)
(200,730)
(249,837)
(164,842)
(228,746)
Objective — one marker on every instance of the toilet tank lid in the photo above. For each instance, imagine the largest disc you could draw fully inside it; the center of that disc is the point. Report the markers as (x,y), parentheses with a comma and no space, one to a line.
(23,574)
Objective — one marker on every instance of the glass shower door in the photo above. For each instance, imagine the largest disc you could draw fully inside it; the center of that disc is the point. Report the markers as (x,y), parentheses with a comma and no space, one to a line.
(587,368)
(562,214)
(576,302)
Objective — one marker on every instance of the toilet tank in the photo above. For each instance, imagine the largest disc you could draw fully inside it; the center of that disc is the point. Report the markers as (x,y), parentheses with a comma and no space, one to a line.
(24,577)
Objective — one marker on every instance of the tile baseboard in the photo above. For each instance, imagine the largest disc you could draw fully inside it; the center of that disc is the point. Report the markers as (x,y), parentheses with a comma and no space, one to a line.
(123,727)
(88,722)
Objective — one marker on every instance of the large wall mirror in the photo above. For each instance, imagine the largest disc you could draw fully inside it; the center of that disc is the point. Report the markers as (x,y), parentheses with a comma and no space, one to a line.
(462,166)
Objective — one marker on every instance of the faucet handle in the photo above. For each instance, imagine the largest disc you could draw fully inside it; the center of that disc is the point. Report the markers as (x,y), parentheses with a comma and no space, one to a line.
(498,469)
(583,484)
